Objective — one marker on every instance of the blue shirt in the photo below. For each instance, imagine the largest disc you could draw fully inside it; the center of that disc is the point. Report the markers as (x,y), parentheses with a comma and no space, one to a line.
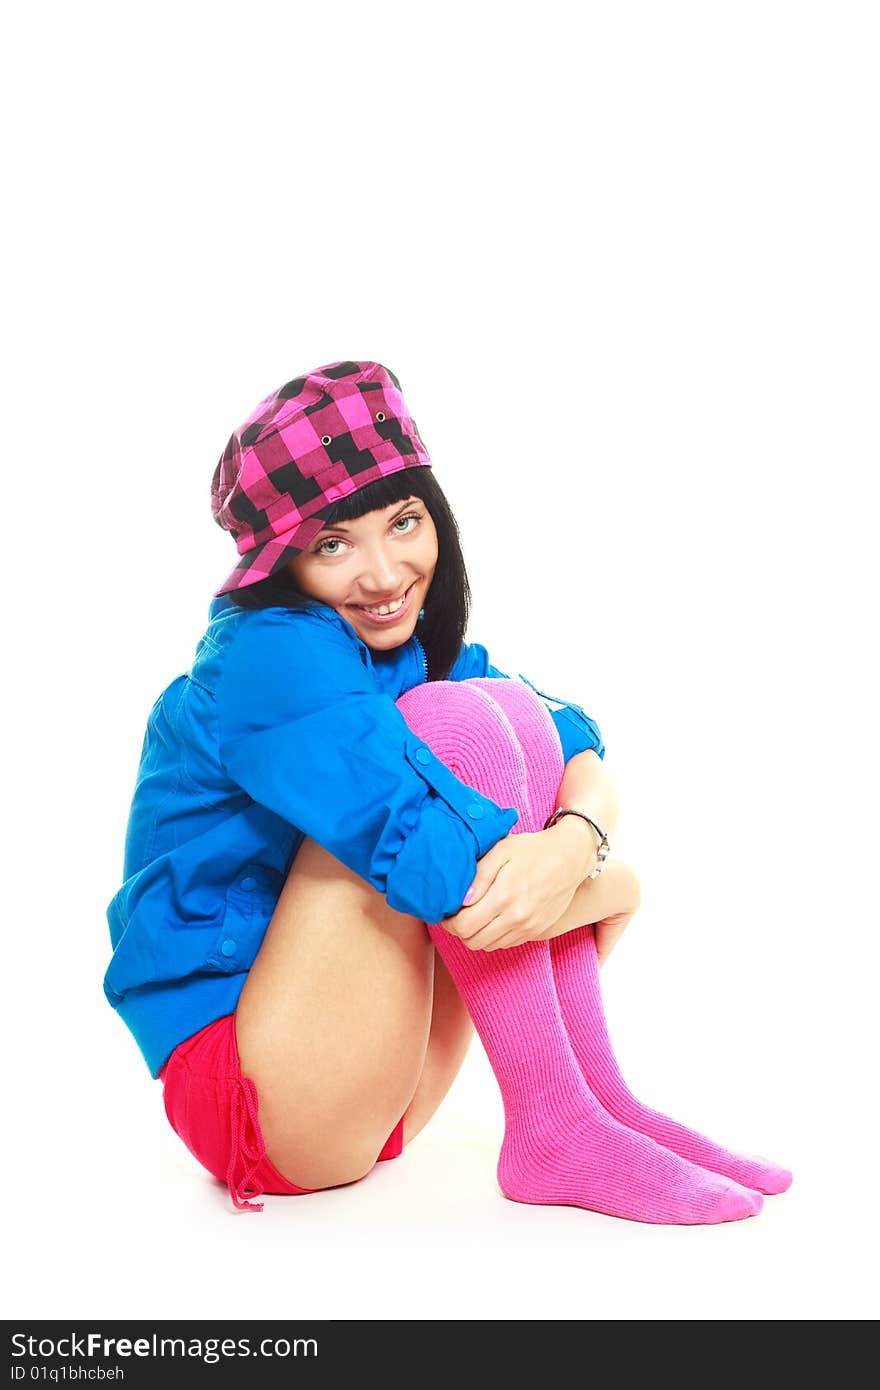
(284,726)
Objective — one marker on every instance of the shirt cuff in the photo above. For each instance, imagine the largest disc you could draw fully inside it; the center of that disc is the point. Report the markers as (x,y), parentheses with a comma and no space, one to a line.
(577,731)
(438,859)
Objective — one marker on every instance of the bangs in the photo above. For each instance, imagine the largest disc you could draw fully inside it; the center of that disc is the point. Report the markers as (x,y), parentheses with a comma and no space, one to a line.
(378,495)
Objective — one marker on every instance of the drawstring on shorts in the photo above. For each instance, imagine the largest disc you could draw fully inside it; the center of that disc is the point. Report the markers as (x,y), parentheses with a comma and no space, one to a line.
(247,1148)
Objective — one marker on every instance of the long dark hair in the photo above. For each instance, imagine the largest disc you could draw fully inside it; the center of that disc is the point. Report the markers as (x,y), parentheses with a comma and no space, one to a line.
(447,606)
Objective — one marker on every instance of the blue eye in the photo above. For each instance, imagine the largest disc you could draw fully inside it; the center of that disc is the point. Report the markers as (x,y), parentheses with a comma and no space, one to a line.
(334,540)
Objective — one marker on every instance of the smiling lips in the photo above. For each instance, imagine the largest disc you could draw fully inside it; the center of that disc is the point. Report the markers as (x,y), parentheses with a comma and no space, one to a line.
(386,612)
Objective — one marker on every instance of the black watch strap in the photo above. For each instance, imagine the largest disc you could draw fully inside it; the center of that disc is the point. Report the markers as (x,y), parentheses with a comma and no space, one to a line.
(604,846)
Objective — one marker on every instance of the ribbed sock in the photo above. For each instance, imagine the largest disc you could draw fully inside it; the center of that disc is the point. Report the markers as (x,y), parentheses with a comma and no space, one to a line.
(560,1146)
(576,972)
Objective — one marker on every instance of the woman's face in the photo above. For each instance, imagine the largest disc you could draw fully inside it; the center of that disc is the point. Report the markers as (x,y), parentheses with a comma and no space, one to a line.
(373,561)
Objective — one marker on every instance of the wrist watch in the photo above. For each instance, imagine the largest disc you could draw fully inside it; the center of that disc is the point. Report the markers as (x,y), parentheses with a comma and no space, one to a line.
(604,847)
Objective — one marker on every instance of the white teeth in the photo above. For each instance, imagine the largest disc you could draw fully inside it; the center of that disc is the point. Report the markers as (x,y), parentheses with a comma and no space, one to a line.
(385,608)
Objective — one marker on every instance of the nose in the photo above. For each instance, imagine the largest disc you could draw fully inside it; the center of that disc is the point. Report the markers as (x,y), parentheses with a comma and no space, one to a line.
(380,574)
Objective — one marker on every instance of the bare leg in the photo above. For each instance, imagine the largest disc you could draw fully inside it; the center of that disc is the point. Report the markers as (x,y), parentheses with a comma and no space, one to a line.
(451,1035)
(333,1021)
(344,1024)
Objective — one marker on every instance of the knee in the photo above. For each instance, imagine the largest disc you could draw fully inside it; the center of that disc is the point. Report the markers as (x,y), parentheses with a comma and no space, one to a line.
(461,723)
(537,734)
(471,735)
(443,701)
(515,712)
(491,728)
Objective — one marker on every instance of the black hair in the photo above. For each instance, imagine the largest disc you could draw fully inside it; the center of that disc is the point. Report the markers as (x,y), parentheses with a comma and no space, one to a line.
(447,605)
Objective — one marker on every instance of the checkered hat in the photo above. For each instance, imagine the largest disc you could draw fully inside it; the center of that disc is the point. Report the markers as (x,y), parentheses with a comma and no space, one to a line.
(313,441)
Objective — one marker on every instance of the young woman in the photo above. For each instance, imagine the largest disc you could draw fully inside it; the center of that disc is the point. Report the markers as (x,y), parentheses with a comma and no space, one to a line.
(352,839)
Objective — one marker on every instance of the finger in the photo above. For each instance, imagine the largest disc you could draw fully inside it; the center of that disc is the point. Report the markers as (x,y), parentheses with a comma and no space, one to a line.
(461,926)
(488,868)
(464,919)
(508,942)
(480,915)
(609,931)
(482,940)
(475,937)
(489,939)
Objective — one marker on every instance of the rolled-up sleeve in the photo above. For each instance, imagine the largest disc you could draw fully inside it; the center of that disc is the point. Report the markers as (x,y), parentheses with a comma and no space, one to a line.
(303,731)
(577,731)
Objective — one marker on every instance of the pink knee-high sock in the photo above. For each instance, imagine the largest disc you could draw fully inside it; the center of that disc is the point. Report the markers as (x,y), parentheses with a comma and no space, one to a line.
(560,1146)
(576,972)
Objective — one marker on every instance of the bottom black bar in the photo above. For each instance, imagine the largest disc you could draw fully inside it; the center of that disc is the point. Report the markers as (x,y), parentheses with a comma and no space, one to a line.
(134,1353)
(111,1352)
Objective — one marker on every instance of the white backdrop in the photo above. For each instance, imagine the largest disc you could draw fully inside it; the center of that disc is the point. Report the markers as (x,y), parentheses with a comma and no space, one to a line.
(624,261)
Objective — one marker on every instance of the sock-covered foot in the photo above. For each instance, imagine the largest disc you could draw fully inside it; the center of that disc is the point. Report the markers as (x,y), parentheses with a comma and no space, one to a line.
(570,1152)
(560,1147)
(576,970)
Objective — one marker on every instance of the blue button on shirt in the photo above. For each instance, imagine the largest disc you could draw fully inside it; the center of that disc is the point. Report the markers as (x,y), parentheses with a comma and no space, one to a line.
(284,726)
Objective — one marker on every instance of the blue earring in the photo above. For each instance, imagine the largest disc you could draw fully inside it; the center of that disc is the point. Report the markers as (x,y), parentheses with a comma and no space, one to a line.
(421,613)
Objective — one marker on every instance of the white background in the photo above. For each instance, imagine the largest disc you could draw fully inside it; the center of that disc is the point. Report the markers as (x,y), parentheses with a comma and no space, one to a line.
(623,259)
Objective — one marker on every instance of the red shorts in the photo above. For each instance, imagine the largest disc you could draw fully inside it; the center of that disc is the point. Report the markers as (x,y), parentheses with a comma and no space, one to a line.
(214,1110)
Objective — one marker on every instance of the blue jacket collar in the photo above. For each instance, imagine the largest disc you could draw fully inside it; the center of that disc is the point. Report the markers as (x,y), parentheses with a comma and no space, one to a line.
(395,671)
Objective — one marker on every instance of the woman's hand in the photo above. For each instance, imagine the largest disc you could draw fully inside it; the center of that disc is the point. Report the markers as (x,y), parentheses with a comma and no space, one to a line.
(522,886)
(489,922)
(610,902)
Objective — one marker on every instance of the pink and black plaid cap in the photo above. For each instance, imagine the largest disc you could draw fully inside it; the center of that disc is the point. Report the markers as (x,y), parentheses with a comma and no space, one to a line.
(316,439)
